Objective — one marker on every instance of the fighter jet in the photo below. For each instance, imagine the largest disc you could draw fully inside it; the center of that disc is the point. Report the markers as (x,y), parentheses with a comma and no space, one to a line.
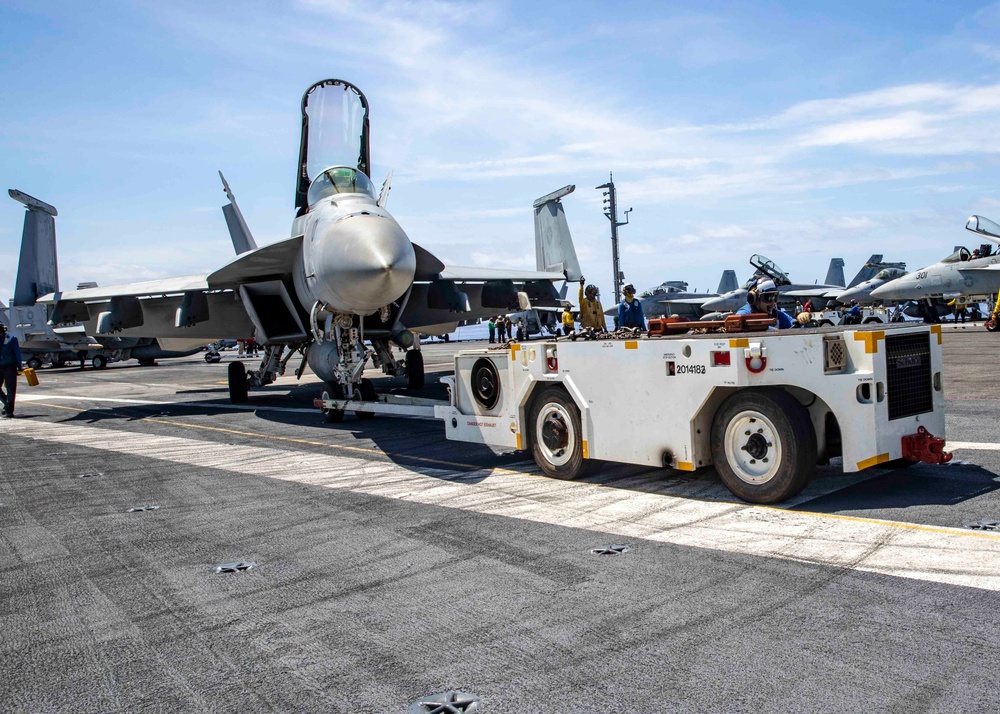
(962,274)
(862,292)
(347,274)
(38,273)
(673,298)
(735,299)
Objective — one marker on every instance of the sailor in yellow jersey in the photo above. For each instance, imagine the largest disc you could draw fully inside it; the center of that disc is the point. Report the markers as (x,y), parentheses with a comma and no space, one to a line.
(591,310)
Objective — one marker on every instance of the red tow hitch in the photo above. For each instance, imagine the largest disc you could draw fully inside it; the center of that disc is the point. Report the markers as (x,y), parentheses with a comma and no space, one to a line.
(318,403)
(924,446)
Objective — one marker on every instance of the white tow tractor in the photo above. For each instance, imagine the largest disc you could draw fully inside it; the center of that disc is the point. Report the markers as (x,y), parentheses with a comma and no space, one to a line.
(762,407)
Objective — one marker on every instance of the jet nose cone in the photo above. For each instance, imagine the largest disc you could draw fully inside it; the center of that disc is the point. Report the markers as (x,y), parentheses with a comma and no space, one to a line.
(898,289)
(366,262)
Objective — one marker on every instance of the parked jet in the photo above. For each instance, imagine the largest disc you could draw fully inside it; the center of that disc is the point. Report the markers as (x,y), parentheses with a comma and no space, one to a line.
(962,274)
(37,274)
(735,299)
(862,292)
(348,273)
(672,298)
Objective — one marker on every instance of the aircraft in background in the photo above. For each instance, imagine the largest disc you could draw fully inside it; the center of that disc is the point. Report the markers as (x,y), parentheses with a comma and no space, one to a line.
(348,274)
(735,299)
(963,274)
(862,291)
(673,298)
(38,274)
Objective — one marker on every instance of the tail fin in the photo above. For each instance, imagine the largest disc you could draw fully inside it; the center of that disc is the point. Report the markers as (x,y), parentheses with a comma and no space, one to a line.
(37,272)
(835,273)
(4,320)
(728,282)
(243,242)
(869,270)
(554,249)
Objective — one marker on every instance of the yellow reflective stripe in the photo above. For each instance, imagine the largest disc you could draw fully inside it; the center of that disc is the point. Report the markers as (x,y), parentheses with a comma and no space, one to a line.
(685,466)
(870,339)
(936,330)
(586,450)
(631,345)
(513,352)
(517,436)
(880,459)
(739,342)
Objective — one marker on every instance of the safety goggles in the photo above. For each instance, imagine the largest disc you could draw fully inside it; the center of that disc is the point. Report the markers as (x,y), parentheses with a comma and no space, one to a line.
(769,297)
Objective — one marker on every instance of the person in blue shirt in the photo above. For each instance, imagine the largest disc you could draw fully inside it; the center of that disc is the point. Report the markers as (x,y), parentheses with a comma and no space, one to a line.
(630,309)
(10,364)
(762,298)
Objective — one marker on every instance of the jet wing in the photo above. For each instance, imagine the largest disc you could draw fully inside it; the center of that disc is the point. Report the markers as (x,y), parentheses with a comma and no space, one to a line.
(822,292)
(147,288)
(475,275)
(272,260)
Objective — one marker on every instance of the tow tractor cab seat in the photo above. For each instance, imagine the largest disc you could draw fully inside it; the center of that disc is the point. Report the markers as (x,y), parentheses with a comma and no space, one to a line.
(338,180)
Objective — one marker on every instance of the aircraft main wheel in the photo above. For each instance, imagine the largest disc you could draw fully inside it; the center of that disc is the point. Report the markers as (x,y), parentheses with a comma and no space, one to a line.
(331,390)
(35,363)
(99,362)
(367,391)
(825,323)
(557,435)
(239,390)
(763,445)
(415,369)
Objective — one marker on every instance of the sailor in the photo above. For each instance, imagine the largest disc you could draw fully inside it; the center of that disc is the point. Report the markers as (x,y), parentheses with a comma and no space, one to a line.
(630,309)
(492,326)
(591,310)
(568,324)
(762,298)
(10,365)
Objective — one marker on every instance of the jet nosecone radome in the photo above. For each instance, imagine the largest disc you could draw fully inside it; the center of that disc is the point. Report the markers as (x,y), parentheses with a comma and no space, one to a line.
(356,258)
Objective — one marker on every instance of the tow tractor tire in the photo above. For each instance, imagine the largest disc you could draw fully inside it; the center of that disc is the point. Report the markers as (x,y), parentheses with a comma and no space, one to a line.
(415,369)
(870,320)
(763,445)
(99,362)
(213,357)
(825,323)
(239,390)
(367,391)
(331,390)
(992,325)
(556,435)
(35,363)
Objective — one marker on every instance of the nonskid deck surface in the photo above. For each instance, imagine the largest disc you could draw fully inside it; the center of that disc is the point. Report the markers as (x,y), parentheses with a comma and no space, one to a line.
(393,565)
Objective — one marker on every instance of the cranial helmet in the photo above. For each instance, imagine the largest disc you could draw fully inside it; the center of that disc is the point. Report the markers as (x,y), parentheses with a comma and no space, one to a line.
(590,289)
(629,288)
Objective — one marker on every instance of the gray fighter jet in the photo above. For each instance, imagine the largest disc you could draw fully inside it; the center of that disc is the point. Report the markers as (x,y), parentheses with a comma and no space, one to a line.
(862,292)
(37,274)
(348,274)
(963,274)
(735,299)
(673,298)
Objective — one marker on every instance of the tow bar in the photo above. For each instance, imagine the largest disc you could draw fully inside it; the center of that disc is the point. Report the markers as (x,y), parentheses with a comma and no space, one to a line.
(924,446)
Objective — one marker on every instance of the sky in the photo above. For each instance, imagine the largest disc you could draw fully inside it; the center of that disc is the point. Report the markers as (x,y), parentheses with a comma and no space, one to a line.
(798,130)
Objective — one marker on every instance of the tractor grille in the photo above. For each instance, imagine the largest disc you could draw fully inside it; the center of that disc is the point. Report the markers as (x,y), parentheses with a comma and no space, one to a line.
(908,365)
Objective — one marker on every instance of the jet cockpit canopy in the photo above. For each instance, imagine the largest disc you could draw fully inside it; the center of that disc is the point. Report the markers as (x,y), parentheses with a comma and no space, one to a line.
(334,133)
(670,286)
(768,267)
(337,180)
(890,274)
(984,227)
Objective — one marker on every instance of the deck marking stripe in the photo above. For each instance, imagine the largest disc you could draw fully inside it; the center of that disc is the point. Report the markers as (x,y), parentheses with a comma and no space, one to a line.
(905,550)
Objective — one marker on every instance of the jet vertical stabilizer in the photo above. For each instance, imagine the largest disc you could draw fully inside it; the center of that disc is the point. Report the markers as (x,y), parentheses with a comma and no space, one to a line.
(835,273)
(728,282)
(37,273)
(243,241)
(868,271)
(554,251)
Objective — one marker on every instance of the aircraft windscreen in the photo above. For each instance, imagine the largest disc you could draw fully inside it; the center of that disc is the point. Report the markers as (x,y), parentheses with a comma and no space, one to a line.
(889,274)
(339,179)
(770,268)
(336,112)
(962,254)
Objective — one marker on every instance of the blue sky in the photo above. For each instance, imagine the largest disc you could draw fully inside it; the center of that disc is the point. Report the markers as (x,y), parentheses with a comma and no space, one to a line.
(800,130)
